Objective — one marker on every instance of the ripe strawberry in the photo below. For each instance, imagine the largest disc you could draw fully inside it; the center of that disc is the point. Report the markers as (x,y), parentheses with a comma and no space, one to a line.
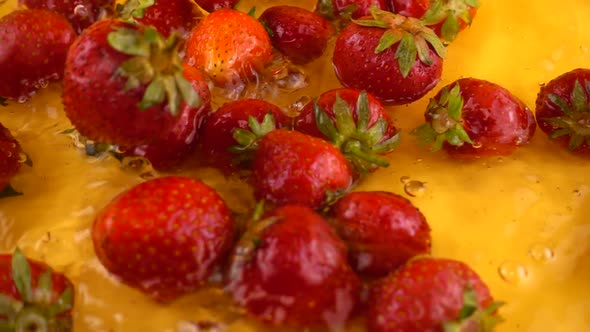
(397,59)
(291,269)
(472,118)
(383,230)
(299,34)
(245,119)
(125,85)
(10,152)
(33,297)
(431,295)
(164,236)
(80,13)
(293,168)
(230,47)
(355,122)
(446,17)
(347,9)
(563,110)
(213,5)
(34,47)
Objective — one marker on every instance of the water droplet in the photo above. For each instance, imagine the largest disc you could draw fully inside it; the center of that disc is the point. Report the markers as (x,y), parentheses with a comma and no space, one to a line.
(476,145)
(404,179)
(513,272)
(22,157)
(415,188)
(541,253)
(81,11)
(22,99)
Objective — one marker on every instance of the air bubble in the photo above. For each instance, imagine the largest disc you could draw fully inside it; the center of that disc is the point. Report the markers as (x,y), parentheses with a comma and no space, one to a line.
(22,157)
(513,272)
(476,145)
(415,188)
(541,253)
(404,179)
(81,11)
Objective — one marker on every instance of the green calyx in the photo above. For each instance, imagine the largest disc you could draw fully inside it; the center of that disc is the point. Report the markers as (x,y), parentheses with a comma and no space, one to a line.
(156,64)
(472,318)
(575,121)
(413,37)
(449,12)
(360,143)
(133,9)
(37,311)
(446,124)
(248,139)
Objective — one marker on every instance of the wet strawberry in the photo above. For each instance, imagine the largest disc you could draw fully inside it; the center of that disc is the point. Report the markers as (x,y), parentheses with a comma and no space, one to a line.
(290,269)
(432,295)
(293,168)
(347,9)
(245,119)
(213,5)
(355,122)
(34,297)
(80,13)
(382,230)
(563,110)
(164,236)
(397,59)
(10,157)
(34,47)
(299,34)
(125,85)
(446,17)
(229,46)
(471,118)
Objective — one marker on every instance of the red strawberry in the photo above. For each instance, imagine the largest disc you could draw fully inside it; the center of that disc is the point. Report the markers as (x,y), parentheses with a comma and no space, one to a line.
(10,157)
(299,34)
(383,230)
(33,52)
(254,117)
(229,46)
(164,236)
(563,110)
(446,17)
(347,9)
(354,121)
(293,168)
(33,297)
(213,5)
(126,86)
(471,118)
(397,59)
(431,295)
(291,269)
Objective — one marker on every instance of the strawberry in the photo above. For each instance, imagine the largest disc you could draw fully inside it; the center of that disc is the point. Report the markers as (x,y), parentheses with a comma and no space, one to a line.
(164,236)
(33,297)
(34,47)
(431,295)
(563,110)
(383,230)
(10,157)
(80,13)
(347,9)
(446,17)
(230,47)
(213,5)
(165,15)
(355,122)
(245,119)
(299,34)
(472,118)
(290,269)
(395,58)
(293,168)
(125,85)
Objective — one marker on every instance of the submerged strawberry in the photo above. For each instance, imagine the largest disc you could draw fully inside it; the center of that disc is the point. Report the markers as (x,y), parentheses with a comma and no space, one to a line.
(395,58)
(33,297)
(471,118)
(164,236)
(34,44)
(10,157)
(432,295)
(290,269)
(563,110)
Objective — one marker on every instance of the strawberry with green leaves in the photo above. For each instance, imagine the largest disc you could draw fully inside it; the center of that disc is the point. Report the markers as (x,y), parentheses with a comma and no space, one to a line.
(472,118)
(33,297)
(446,17)
(355,122)
(165,236)
(34,43)
(432,295)
(10,158)
(347,9)
(563,110)
(395,58)
(125,85)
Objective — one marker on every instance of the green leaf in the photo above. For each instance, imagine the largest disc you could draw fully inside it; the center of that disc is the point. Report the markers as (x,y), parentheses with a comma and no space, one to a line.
(452,137)
(462,134)
(455,105)
(562,104)
(425,134)
(326,9)
(63,304)
(389,38)
(406,54)
(9,191)
(188,93)
(154,94)
(138,70)
(371,23)
(435,42)
(375,133)
(268,124)
(388,145)
(470,303)
(128,41)
(559,133)
(575,141)
(21,275)
(133,9)
(435,14)
(344,122)
(44,287)
(245,138)
(252,12)
(363,111)
(174,98)
(423,51)
(450,28)
(438,143)
(472,3)
(579,99)
(324,123)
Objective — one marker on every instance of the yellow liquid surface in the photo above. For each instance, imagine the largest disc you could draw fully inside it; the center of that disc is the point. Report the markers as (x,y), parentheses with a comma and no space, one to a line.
(520,221)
